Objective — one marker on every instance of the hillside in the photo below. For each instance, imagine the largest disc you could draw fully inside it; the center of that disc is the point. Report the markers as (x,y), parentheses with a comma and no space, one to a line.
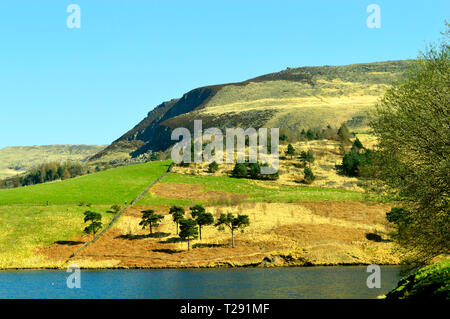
(293,99)
(331,222)
(112,186)
(40,215)
(18,159)
(289,225)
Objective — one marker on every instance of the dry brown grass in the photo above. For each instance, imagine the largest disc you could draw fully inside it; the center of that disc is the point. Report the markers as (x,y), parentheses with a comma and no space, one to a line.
(194,192)
(306,233)
(327,156)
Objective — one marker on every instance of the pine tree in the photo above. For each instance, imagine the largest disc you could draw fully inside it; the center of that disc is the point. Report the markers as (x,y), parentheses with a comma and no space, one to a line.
(188,230)
(233,223)
(149,218)
(290,150)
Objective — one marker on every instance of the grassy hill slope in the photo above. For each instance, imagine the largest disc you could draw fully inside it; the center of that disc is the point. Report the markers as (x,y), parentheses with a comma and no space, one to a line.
(218,190)
(113,186)
(288,226)
(27,224)
(18,159)
(293,99)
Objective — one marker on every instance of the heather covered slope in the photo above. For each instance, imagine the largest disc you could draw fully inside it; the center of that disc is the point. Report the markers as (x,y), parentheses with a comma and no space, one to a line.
(293,99)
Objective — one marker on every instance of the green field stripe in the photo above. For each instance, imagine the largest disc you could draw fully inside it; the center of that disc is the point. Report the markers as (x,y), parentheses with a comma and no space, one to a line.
(113,186)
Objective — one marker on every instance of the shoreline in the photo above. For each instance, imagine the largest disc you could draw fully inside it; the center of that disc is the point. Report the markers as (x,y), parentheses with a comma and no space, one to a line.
(202,267)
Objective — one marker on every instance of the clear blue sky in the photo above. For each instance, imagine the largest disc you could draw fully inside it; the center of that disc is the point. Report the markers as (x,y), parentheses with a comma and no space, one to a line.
(91,85)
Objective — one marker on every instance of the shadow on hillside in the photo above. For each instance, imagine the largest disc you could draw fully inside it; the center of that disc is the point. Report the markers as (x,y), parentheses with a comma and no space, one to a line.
(206,245)
(376,238)
(137,237)
(159,235)
(69,242)
(132,237)
(339,170)
(172,240)
(299,165)
(167,251)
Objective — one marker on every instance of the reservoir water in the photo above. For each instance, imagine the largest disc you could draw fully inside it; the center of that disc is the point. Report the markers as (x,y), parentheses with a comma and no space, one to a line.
(305,282)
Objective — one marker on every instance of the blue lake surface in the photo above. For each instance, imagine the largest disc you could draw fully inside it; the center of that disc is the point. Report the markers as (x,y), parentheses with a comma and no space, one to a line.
(297,283)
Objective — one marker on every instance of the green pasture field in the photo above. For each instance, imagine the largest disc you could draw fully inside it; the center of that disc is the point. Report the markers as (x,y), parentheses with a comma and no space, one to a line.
(113,186)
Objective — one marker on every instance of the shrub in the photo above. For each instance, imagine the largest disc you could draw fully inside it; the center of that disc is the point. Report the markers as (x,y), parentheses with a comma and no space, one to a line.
(344,134)
(255,170)
(213,167)
(353,163)
(290,150)
(357,145)
(307,157)
(240,170)
(309,176)
(153,157)
(115,208)
(270,177)
(312,134)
